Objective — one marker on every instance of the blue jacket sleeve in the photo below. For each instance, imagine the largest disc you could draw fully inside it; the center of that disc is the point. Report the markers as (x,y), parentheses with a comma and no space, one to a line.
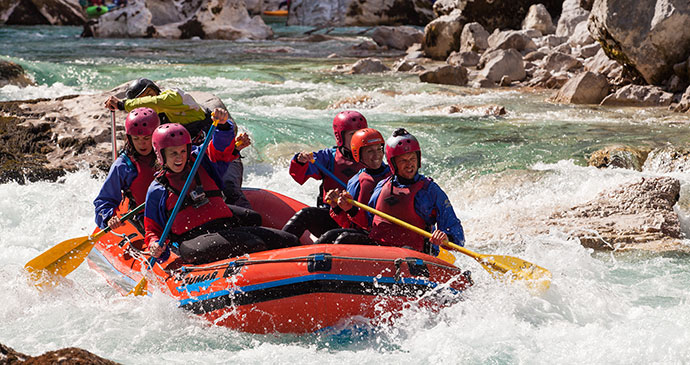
(119,178)
(444,215)
(301,173)
(155,215)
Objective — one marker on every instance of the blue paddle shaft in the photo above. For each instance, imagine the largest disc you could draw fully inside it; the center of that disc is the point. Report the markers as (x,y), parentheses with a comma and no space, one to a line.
(330,174)
(185,188)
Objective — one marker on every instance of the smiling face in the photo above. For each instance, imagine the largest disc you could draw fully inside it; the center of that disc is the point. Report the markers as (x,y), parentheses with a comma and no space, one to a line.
(142,144)
(371,156)
(407,164)
(176,158)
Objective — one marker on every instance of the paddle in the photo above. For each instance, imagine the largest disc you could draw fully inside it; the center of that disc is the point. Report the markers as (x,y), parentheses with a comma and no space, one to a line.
(537,277)
(112,128)
(66,256)
(140,288)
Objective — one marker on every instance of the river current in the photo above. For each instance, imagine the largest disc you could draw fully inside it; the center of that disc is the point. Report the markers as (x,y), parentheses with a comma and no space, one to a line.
(603,307)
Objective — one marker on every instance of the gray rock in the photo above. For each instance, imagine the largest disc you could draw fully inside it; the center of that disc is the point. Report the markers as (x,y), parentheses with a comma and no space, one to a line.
(492,14)
(550,41)
(483,83)
(367,66)
(618,156)
(581,36)
(466,59)
(585,88)
(41,12)
(646,35)
(538,18)
(442,36)
(397,37)
(359,13)
(404,66)
(667,160)
(560,62)
(637,215)
(534,56)
(474,38)
(511,39)
(602,64)
(588,51)
(638,95)
(571,16)
(684,104)
(448,75)
(501,62)
(13,74)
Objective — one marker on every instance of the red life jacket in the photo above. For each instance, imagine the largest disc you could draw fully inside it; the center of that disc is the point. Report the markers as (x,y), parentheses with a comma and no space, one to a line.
(190,217)
(145,175)
(367,183)
(343,169)
(398,202)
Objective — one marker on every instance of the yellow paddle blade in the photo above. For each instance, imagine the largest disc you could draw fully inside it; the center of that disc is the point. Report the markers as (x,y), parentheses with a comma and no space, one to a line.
(537,278)
(62,258)
(140,288)
(445,255)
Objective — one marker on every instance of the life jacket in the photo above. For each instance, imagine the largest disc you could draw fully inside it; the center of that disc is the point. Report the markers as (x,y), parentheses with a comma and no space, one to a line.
(398,202)
(343,168)
(367,183)
(136,193)
(189,216)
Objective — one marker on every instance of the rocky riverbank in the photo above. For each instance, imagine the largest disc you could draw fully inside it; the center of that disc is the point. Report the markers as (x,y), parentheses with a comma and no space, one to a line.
(70,355)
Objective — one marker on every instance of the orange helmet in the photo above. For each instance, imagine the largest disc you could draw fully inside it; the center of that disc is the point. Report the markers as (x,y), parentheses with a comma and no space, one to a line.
(365,137)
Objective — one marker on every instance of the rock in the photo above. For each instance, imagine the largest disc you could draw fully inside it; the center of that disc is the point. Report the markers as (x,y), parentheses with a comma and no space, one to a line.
(638,95)
(359,13)
(550,41)
(602,64)
(70,355)
(43,138)
(622,157)
(538,18)
(644,35)
(489,110)
(13,74)
(483,83)
(465,59)
(684,104)
(397,37)
(581,36)
(511,39)
(41,12)
(571,16)
(637,215)
(534,56)
(367,66)
(448,75)
(505,81)
(406,66)
(501,62)
(560,62)
(474,38)
(442,36)
(366,45)
(492,14)
(588,51)
(208,19)
(667,160)
(585,88)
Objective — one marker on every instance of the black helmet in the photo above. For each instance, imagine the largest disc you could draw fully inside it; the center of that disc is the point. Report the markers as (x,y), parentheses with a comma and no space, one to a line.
(139,85)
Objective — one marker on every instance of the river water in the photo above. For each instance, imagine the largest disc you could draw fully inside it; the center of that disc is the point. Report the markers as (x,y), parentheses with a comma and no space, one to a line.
(603,307)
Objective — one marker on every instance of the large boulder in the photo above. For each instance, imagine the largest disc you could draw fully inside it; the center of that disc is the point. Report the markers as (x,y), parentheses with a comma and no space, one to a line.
(206,19)
(359,12)
(635,215)
(397,37)
(448,75)
(41,12)
(69,355)
(538,18)
(572,15)
(515,39)
(492,14)
(474,38)
(13,74)
(648,36)
(585,88)
(618,156)
(442,36)
(667,160)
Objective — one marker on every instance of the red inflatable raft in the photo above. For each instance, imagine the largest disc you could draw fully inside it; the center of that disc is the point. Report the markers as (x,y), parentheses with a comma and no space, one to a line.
(292,290)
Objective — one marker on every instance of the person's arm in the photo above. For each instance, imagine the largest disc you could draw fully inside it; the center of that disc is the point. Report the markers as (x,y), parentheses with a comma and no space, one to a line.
(155,215)
(446,220)
(301,172)
(109,197)
(165,102)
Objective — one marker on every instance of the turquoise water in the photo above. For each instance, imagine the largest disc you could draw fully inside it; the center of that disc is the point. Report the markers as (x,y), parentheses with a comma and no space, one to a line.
(500,174)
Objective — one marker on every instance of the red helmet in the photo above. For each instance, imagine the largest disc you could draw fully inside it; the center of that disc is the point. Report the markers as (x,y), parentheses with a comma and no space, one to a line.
(169,135)
(141,122)
(347,120)
(364,137)
(400,143)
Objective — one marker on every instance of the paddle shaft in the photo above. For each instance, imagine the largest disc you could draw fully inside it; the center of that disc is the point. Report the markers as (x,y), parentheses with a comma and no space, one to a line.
(112,128)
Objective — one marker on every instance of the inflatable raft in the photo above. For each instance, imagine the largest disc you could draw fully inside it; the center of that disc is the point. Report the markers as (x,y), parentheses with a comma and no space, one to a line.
(292,290)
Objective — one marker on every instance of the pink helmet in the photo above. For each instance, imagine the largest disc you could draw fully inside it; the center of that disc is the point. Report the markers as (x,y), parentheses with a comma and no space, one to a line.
(169,135)
(347,120)
(400,143)
(141,122)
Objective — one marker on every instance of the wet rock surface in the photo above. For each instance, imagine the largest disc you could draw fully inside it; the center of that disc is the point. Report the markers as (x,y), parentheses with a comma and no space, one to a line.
(70,355)
(13,74)
(41,12)
(624,157)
